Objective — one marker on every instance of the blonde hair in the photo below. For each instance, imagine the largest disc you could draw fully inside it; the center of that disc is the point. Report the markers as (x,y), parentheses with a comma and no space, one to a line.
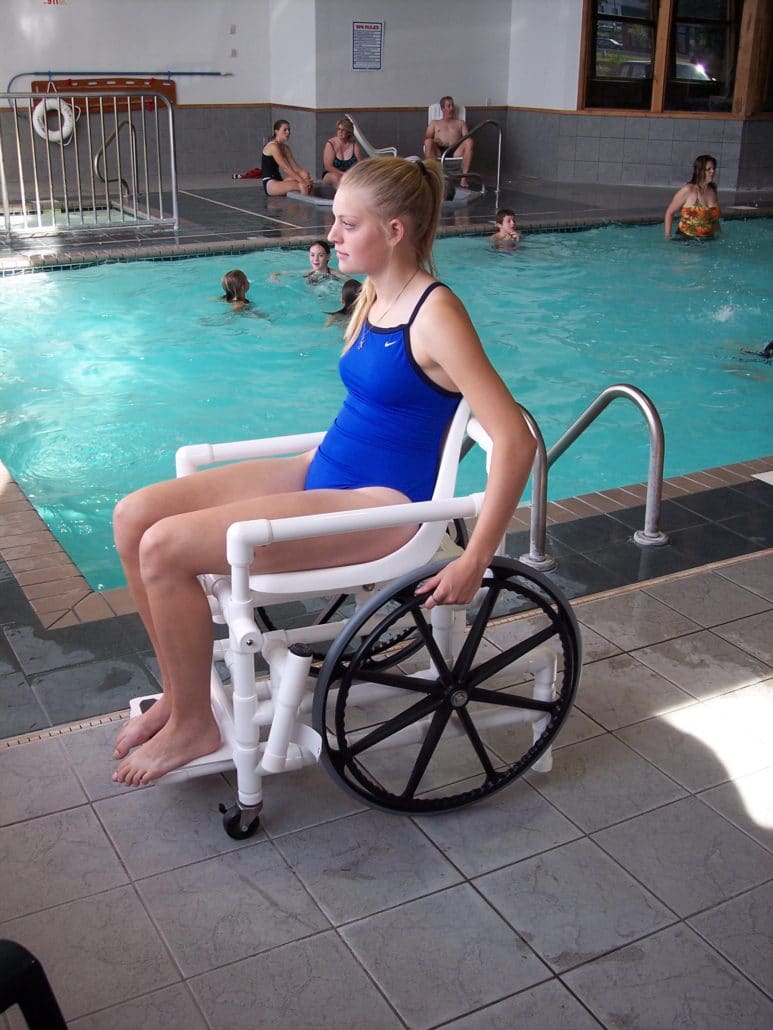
(345,123)
(409,190)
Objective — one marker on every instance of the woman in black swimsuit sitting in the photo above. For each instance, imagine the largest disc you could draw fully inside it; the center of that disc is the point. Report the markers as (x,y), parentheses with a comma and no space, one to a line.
(340,153)
(281,172)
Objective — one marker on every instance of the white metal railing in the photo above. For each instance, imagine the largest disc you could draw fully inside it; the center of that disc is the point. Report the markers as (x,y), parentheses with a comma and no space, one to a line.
(72,162)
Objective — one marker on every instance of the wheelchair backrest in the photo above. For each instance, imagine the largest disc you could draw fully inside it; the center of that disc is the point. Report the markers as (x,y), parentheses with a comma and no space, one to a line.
(445,483)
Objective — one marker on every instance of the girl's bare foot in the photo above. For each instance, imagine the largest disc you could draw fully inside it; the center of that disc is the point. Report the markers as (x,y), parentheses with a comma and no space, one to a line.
(171,747)
(141,728)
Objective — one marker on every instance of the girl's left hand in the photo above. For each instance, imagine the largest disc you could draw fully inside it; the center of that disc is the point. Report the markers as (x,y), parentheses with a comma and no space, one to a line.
(457,583)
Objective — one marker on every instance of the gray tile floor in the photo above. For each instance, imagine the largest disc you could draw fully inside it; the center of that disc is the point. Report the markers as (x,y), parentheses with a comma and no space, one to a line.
(632,886)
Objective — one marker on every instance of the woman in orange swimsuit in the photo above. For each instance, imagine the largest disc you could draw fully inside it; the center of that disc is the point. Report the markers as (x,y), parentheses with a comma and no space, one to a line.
(696,202)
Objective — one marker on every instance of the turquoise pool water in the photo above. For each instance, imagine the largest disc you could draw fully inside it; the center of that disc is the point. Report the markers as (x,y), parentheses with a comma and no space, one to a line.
(105,371)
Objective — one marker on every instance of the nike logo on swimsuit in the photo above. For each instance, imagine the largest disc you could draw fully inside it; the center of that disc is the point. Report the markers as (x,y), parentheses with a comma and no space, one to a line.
(390,343)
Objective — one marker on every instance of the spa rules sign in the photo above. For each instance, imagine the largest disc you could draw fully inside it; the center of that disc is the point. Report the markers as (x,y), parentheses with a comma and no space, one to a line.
(367,44)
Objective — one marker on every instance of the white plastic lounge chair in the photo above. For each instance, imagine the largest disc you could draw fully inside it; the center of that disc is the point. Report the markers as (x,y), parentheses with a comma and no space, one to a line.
(367,146)
(384,692)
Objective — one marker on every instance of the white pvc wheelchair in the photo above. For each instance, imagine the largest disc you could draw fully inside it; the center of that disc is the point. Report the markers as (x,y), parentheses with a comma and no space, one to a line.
(410,710)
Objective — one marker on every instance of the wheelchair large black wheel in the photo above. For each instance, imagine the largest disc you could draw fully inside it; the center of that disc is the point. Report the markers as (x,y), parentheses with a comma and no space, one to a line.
(430,733)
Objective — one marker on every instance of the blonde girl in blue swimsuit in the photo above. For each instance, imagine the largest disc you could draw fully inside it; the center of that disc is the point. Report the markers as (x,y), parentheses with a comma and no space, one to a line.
(385,216)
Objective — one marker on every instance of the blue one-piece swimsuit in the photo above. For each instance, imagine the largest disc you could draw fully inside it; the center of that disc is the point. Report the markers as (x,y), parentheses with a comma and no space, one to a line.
(390,429)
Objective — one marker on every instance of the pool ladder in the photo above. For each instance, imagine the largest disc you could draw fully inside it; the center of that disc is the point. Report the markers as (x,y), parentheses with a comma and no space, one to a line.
(651,535)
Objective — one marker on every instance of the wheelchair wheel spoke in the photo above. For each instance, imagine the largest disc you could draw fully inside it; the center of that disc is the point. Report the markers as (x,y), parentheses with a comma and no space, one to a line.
(439,662)
(476,631)
(499,697)
(428,748)
(392,726)
(413,684)
(507,657)
(477,744)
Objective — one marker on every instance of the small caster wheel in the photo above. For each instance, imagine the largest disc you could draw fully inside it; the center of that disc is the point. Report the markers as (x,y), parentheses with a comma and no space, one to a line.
(235,822)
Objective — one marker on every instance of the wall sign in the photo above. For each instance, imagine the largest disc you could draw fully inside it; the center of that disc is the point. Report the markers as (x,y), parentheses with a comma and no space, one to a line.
(367,45)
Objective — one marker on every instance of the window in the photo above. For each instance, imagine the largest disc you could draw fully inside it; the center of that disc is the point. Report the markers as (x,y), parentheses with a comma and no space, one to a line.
(622,47)
(693,44)
(701,67)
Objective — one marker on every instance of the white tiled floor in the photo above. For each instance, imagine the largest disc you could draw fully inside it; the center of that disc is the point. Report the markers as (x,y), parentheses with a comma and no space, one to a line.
(630,887)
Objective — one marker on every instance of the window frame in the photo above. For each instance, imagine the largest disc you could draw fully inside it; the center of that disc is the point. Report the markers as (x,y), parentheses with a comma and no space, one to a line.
(754,54)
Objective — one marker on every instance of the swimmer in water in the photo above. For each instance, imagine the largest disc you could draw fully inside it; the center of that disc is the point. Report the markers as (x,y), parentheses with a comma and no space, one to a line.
(350,291)
(766,353)
(319,256)
(235,285)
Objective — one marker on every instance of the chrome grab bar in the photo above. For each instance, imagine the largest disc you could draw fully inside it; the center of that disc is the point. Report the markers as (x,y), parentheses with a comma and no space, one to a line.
(448,152)
(100,156)
(651,535)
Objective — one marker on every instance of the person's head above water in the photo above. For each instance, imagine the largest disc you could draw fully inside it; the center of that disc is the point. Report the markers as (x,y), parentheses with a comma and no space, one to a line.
(703,170)
(319,255)
(235,285)
(350,291)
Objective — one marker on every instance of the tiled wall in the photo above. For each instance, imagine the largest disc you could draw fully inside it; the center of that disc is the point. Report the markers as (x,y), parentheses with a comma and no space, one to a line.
(636,150)
(756,160)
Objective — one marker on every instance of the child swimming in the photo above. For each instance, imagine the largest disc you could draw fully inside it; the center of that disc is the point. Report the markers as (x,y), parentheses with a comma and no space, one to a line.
(319,257)
(506,228)
(235,285)
(350,291)
(766,353)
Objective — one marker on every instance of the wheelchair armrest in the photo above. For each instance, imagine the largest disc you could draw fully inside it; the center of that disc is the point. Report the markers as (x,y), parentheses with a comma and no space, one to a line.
(192,457)
(243,537)
(476,432)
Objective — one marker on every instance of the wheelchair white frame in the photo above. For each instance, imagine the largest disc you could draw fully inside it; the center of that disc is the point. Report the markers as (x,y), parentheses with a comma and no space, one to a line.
(264,721)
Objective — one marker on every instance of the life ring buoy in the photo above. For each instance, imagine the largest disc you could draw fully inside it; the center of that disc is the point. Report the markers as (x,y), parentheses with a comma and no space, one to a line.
(66,120)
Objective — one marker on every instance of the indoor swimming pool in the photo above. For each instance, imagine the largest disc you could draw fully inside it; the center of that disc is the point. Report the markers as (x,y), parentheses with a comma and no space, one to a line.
(106,370)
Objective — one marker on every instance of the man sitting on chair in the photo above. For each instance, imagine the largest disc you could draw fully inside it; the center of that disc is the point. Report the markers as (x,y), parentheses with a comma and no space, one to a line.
(445,132)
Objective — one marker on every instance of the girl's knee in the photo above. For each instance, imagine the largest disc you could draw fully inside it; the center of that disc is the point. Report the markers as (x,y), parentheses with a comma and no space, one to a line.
(157,551)
(128,523)
(133,515)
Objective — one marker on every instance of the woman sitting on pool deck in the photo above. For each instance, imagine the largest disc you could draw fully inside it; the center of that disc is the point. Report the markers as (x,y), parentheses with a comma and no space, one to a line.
(696,202)
(382,449)
(281,172)
(340,153)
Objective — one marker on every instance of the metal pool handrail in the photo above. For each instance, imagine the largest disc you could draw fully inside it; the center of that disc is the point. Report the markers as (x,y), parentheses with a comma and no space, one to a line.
(651,535)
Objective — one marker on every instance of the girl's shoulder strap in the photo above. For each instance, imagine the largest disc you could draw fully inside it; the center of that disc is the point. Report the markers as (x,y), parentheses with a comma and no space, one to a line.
(432,286)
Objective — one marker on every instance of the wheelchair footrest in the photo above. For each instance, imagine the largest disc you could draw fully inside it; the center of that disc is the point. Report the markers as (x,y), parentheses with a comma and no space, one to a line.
(218,761)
